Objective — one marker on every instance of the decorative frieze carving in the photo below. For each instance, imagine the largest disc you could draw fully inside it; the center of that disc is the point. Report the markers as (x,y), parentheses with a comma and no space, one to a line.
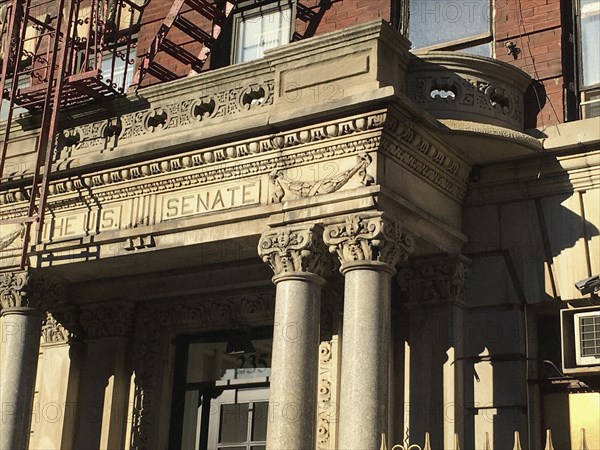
(110,320)
(289,188)
(368,239)
(327,408)
(438,280)
(294,249)
(31,289)
(208,164)
(453,187)
(468,87)
(166,117)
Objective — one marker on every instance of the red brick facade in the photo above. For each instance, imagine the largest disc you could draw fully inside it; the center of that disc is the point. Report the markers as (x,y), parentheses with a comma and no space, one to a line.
(534,26)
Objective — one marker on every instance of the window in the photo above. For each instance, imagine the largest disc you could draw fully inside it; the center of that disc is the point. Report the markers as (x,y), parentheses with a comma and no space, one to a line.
(588,21)
(463,25)
(587,338)
(259,28)
(118,67)
(23,83)
(220,395)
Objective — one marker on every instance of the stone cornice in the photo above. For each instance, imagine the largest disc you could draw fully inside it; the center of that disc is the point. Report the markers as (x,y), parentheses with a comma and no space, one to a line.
(544,175)
(31,289)
(434,280)
(294,250)
(363,238)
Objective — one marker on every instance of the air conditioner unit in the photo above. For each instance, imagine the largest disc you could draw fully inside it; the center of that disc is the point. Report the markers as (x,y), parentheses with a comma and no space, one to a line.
(580,340)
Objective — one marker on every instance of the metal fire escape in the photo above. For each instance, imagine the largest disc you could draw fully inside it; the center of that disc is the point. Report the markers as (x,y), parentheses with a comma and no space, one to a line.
(183,16)
(57,54)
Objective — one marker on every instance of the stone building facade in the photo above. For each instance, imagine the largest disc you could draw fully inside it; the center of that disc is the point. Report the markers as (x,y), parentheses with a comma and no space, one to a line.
(376,242)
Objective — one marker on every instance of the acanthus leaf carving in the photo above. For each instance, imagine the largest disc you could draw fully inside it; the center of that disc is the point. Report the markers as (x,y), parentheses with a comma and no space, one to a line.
(31,289)
(369,239)
(60,327)
(294,249)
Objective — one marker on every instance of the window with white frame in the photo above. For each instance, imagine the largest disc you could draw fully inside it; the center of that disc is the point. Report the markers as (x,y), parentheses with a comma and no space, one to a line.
(587,338)
(463,25)
(221,392)
(259,26)
(588,24)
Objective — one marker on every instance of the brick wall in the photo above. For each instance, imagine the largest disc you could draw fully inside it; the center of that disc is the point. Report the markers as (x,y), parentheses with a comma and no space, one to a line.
(535,26)
(154,14)
(314,18)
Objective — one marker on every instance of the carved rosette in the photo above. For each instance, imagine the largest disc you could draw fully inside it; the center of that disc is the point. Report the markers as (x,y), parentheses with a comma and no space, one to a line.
(434,280)
(30,289)
(368,239)
(108,320)
(294,250)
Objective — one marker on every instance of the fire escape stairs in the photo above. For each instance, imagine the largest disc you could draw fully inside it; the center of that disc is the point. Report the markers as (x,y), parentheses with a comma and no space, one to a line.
(183,20)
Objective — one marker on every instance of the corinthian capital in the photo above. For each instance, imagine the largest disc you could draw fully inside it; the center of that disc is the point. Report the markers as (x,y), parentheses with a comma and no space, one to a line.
(368,239)
(434,280)
(30,289)
(294,249)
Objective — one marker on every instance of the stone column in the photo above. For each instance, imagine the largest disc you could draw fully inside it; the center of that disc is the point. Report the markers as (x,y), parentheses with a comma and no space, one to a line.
(433,290)
(19,350)
(298,259)
(368,249)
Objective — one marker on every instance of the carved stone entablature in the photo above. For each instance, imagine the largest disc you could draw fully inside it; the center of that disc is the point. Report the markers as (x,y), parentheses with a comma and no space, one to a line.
(451,85)
(214,164)
(434,281)
(428,158)
(290,189)
(369,239)
(294,249)
(111,320)
(31,289)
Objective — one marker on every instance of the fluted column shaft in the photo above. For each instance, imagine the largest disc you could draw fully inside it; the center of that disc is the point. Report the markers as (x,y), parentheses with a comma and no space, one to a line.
(368,248)
(296,256)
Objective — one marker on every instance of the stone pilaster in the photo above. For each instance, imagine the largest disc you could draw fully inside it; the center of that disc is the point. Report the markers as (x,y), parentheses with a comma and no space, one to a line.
(298,259)
(433,289)
(108,330)
(368,248)
(23,295)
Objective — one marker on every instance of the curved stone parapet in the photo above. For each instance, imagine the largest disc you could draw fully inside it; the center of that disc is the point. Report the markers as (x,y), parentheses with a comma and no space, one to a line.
(451,85)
